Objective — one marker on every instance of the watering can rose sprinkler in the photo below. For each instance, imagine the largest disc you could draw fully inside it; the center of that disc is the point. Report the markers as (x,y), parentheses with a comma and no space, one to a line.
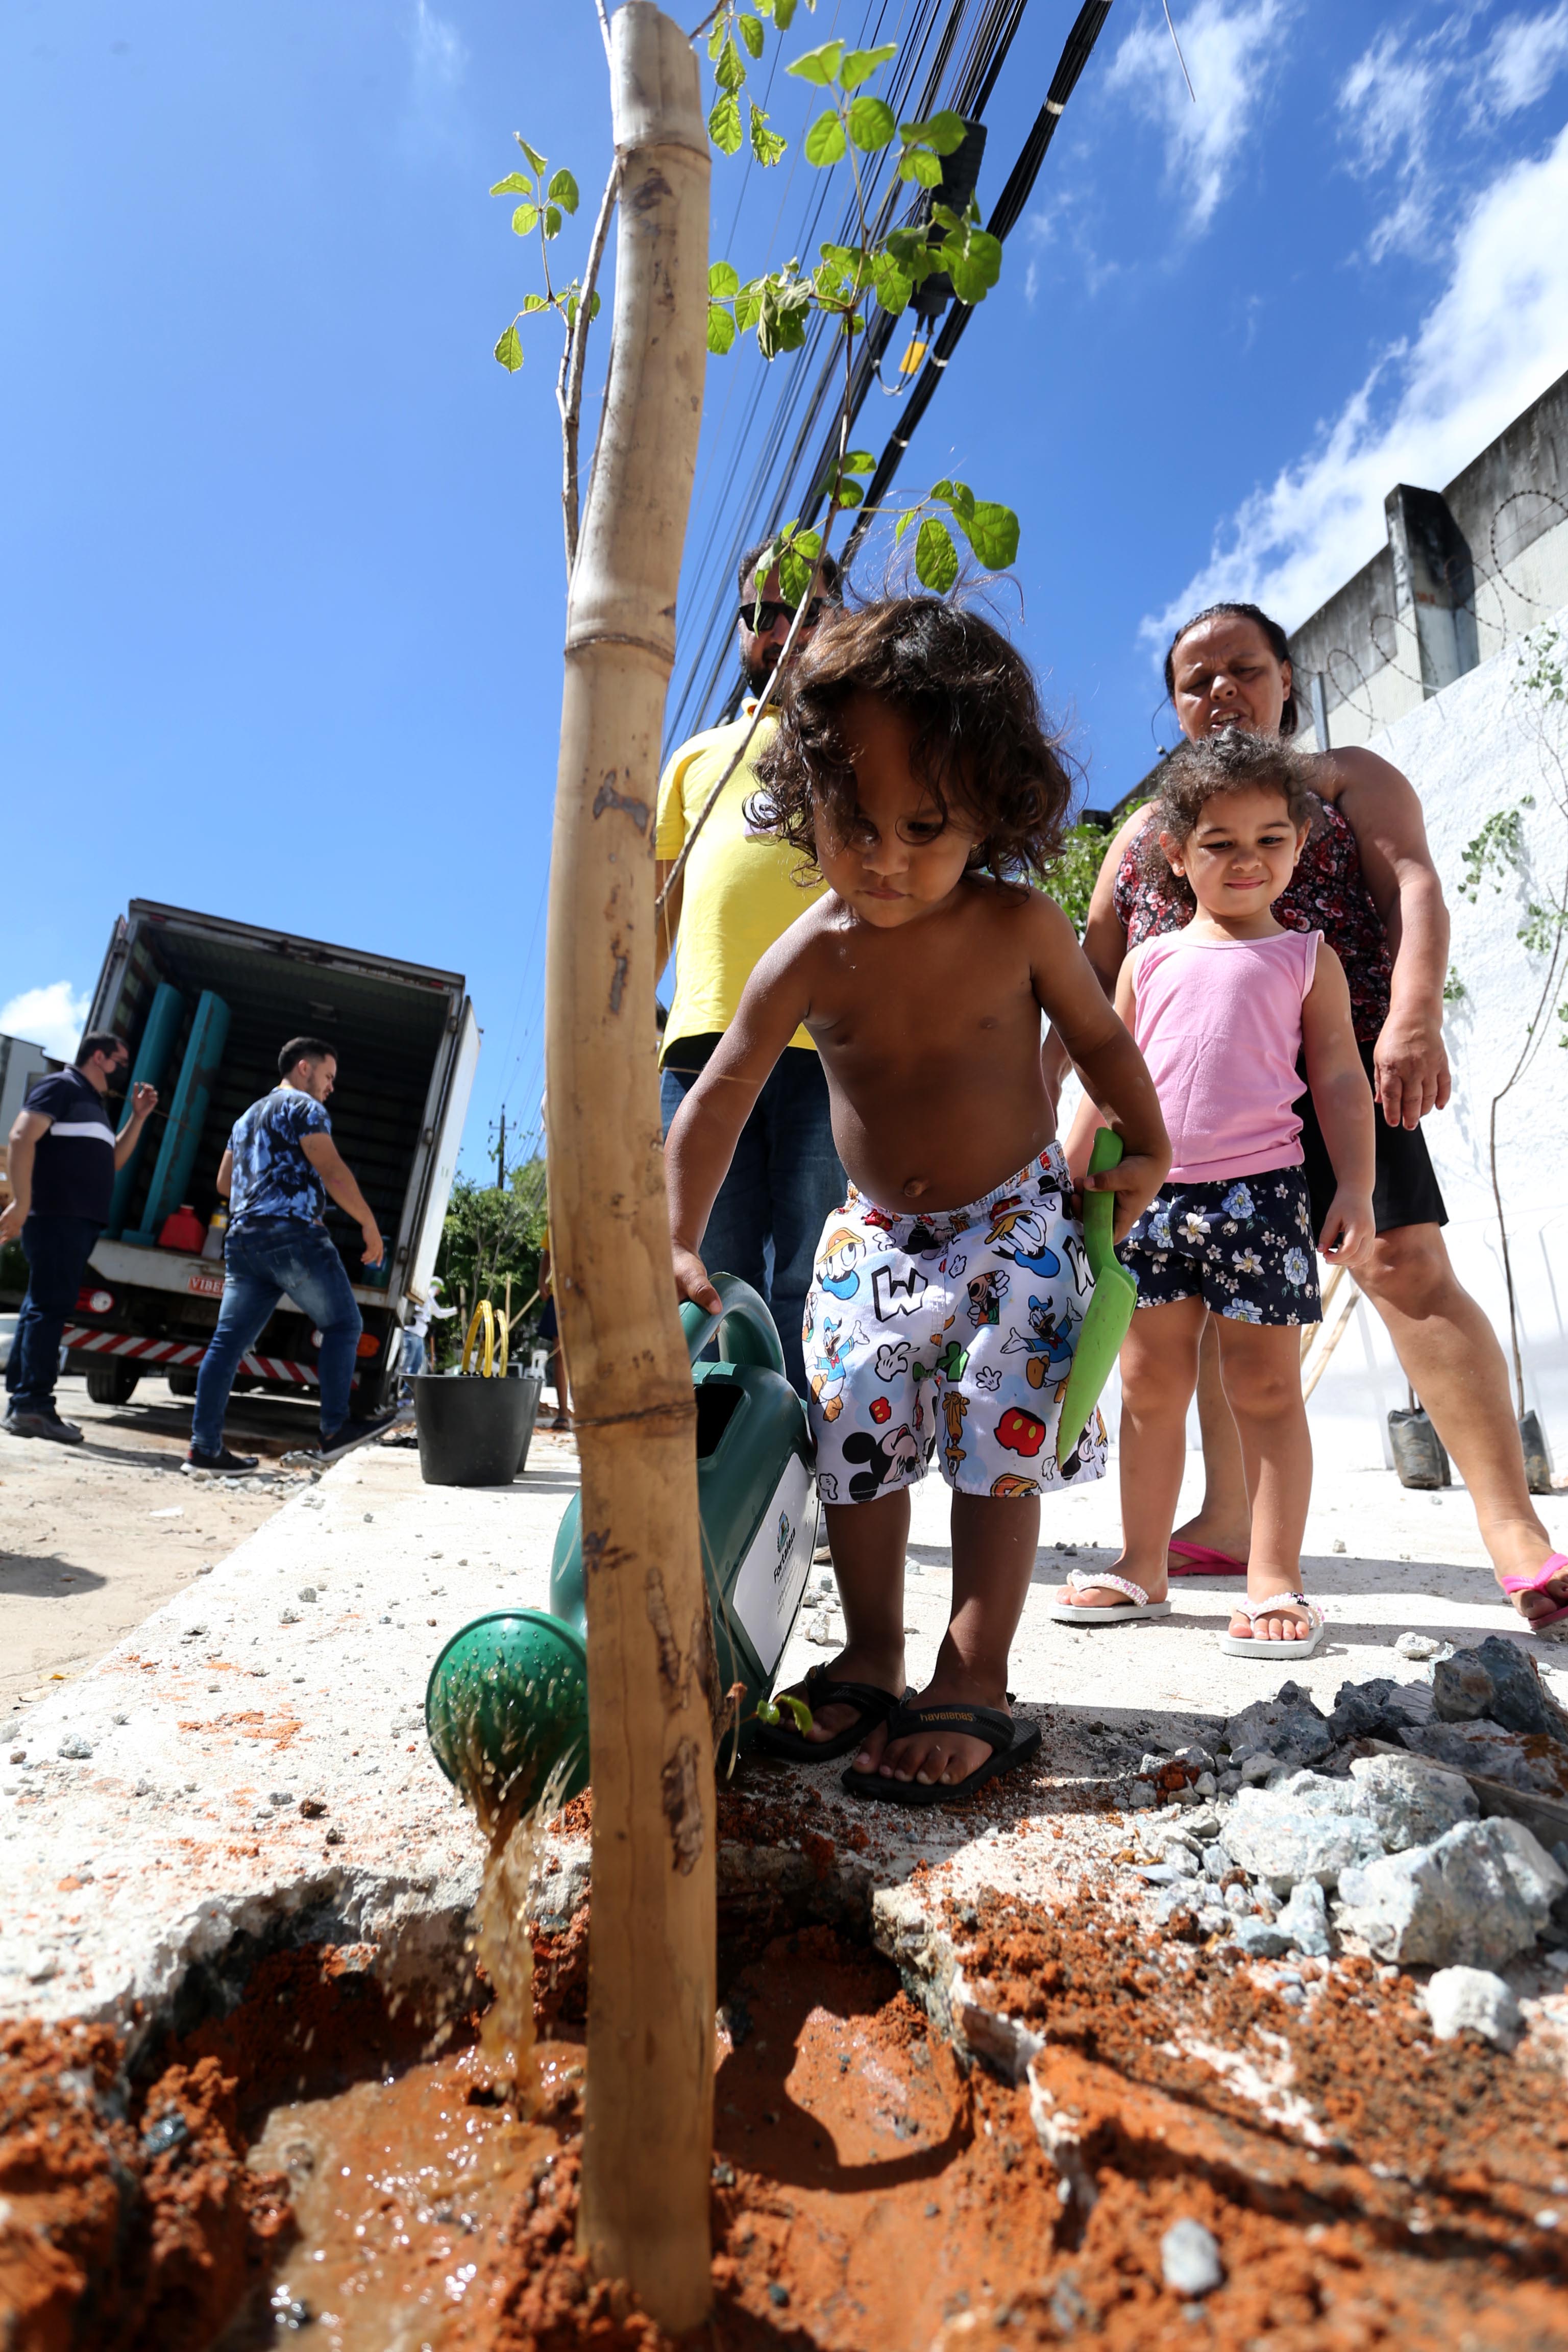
(507,1703)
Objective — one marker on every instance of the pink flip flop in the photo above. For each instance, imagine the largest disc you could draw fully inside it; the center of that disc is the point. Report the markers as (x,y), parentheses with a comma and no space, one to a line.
(1204,1562)
(1554,1565)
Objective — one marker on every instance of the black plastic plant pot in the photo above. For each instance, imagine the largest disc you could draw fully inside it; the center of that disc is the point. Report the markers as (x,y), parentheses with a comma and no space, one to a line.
(473,1432)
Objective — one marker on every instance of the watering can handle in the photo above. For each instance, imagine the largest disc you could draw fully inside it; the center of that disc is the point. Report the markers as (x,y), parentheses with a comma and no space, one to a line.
(1100,1208)
(747,1333)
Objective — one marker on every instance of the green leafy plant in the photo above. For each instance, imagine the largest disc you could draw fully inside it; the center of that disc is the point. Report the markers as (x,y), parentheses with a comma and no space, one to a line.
(547,199)
(491,1233)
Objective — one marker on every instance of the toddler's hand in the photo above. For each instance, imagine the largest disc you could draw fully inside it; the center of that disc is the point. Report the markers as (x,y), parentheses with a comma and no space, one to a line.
(691,1282)
(1135,1181)
(1348,1229)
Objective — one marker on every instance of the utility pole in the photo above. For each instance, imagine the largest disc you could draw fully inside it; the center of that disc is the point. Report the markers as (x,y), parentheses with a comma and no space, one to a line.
(500,1153)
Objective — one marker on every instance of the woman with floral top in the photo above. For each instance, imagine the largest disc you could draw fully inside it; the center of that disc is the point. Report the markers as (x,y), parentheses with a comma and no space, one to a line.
(1366,880)
(1223,1011)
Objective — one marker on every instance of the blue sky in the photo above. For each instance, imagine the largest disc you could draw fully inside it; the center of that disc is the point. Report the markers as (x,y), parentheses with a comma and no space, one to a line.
(283,594)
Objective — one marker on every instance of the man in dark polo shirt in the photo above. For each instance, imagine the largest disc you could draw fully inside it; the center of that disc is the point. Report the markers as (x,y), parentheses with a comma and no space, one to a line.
(280,1167)
(63,1156)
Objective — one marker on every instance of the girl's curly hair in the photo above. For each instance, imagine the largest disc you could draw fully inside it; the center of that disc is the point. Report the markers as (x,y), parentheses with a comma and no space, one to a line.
(1196,773)
(981,745)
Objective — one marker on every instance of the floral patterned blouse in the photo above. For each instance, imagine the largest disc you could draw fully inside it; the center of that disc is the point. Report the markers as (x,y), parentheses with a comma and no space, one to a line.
(1327,893)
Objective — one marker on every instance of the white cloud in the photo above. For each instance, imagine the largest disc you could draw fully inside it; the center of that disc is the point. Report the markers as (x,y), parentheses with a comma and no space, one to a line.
(1232,48)
(1525,58)
(440,57)
(53,1017)
(1494,339)
(1390,99)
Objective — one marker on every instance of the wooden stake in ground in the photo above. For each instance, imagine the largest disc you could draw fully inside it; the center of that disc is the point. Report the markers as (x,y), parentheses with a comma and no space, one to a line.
(648,2138)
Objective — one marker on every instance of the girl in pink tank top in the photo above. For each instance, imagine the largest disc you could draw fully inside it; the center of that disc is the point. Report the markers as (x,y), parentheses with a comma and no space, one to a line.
(1223,1012)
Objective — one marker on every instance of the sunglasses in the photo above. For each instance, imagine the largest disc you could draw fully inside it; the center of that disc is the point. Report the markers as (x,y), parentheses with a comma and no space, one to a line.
(762,618)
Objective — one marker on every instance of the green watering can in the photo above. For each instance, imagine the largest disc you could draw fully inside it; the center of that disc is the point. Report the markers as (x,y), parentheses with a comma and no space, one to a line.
(1110,1308)
(507,1703)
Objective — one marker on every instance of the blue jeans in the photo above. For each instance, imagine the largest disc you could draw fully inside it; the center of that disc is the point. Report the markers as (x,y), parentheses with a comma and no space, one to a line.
(56,1252)
(262,1261)
(784,1182)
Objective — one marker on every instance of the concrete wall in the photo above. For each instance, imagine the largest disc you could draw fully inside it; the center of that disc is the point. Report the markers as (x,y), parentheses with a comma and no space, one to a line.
(1464,572)
(1481,745)
(20,1065)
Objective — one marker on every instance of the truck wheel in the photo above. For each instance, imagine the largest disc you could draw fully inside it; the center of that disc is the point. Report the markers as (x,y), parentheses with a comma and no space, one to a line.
(181,1384)
(112,1384)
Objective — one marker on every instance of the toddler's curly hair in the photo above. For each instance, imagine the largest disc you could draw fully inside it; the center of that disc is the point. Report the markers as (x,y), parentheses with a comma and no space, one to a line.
(981,744)
(1196,773)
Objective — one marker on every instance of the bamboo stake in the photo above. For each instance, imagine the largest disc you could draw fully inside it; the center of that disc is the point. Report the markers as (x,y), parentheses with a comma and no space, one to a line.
(1332,1338)
(648,2127)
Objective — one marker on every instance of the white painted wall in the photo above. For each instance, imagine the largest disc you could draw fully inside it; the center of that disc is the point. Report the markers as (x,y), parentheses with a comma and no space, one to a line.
(1477,747)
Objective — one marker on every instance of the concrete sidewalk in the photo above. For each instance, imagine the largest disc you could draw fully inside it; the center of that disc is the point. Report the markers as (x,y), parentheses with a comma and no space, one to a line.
(152,1809)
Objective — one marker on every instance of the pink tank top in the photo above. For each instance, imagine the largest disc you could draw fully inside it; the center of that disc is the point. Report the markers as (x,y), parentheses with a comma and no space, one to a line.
(1219,1024)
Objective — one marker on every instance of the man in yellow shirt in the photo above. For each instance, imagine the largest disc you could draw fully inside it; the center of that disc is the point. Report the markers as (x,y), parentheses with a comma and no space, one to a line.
(736,896)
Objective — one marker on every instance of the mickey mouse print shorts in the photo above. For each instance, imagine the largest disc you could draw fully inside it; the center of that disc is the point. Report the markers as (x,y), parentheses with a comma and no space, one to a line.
(953,1331)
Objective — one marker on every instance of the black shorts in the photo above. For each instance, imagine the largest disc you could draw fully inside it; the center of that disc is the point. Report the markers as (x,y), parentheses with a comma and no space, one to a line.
(1242,1246)
(1405,1189)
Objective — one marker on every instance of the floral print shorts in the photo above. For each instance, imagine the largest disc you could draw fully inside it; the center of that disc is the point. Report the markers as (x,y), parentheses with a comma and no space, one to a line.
(1244,1247)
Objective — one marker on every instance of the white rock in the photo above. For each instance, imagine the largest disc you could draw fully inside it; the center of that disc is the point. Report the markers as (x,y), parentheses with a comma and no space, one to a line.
(1423,1645)
(1189,2258)
(1480,1893)
(1473,2000)
(1305,1920)
(1255,1768)
(1412,1802)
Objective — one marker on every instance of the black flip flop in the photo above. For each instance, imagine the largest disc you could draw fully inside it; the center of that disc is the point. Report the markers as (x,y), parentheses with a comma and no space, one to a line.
(1012,1740)
(822,1690)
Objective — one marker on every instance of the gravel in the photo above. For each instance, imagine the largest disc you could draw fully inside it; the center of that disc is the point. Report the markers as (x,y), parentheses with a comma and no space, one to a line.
(1190,2261)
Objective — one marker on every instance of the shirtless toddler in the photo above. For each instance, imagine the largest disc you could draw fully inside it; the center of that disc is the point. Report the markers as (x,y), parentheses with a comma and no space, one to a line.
(911,769)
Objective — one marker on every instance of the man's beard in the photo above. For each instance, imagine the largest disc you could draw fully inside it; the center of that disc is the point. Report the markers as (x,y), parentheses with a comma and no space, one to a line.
(759,669)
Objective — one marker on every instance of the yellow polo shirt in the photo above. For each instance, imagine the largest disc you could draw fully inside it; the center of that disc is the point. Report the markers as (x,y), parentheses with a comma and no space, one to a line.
(740,894)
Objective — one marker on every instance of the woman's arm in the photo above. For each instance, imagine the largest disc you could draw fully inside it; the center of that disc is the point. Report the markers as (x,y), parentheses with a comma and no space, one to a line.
(1383,810)
(705,1129)
(1114,1072)
(1342,1100)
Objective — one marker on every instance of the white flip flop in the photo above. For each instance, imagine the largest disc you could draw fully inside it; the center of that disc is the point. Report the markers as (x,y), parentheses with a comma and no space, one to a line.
(1253,1610)
(1137,1603)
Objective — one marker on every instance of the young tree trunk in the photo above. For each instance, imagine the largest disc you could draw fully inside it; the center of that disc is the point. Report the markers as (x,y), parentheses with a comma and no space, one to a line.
(649,2137)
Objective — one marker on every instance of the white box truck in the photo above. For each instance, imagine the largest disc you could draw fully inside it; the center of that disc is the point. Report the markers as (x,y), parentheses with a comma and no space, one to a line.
(204,1005)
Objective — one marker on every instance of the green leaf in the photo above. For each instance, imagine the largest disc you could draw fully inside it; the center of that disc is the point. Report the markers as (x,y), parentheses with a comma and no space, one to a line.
(533,302)
(861,64)
(903,523)
(824,139)
(936,558)
(573,302)
(748,305)
(859,461)
(750,28)
(723,279)
(539,162)
(993,533)
(781,318)
(872,125)
(973,262)
(716,36)
(514,184)
(563,191)
(820,66)
(783,13)
(850,494)
(923,169)
(508,351)
(796,563)
(724,124)
(959,497)
(523,220)
(552,220)
(945,132)
(721,329)
(767,145)
(894,286)
(731,70)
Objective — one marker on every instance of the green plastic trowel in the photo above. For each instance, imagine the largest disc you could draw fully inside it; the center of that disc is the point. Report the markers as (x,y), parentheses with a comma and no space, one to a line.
(1110,1309)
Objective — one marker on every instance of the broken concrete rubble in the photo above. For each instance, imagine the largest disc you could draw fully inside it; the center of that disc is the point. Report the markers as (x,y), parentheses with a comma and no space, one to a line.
(1473,2000)
(1411,1803)
(1499,1681)
(1480,1895)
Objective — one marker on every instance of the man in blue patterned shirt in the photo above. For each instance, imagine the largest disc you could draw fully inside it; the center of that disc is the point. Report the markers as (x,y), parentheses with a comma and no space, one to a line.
(280,1165)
